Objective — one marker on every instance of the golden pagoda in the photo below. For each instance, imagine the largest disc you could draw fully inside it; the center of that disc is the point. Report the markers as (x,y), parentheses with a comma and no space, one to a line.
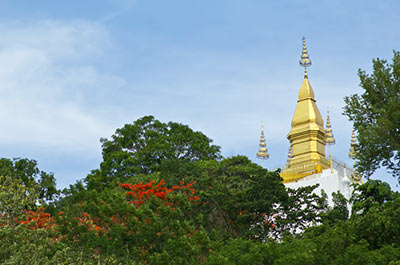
(290,155)
(352,153)
(330,140)
(262,151)
(307,136)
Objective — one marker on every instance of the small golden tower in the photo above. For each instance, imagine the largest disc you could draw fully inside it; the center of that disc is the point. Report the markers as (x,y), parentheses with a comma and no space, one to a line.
(262,151)
(330,140)
(305,59)
(290,155)
(352,153)
(307,136)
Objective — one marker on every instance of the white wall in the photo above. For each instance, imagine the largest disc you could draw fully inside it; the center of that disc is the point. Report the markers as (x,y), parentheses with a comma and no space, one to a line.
(328,181)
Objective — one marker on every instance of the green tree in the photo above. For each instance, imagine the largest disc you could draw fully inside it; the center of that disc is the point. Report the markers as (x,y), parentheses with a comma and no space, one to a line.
(147,146)
(373,193)
(376,117)
(30,175)
(15,197)
(242,252)
(339,211)
(302,209)
(238,197)
(137,224)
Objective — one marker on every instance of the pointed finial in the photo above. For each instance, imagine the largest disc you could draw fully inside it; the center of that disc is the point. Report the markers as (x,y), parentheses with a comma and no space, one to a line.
(305,59)
(262,151)
(290,154)
(353,144)
(330,140)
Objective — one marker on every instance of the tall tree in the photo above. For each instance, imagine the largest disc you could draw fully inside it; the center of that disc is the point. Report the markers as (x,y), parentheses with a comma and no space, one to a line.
(147,146)
(14,198)
(376,117)
(27,171)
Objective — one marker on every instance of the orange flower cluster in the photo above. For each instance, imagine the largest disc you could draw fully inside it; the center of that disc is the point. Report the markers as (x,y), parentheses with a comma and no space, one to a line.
(269,219)
(87,221)
(139,193)
(38,219)
(245,211)
(117,219)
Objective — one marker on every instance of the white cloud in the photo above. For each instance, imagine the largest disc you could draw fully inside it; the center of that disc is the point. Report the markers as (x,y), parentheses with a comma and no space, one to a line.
(47,76)
(57,39)
(121,7)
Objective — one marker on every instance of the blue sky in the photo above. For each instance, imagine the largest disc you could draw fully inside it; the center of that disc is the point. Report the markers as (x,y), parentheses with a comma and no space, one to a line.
(74,71)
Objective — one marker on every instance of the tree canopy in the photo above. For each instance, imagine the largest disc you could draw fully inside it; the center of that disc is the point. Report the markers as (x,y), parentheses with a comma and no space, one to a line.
(29,174)
(147,146)
(376,117)
(191,207)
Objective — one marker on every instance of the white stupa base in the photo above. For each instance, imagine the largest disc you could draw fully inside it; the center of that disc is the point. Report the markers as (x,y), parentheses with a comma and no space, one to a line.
(329,181)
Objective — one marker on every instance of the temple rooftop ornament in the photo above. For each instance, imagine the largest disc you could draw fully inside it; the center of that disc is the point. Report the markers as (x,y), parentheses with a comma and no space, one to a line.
(330,140)
(305,59)
(307,136)
(352,153)
(262,151)
(290,155)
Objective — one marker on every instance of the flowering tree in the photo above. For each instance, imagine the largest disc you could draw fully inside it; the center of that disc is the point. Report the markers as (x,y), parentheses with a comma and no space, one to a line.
(139,221)
(38,219)
(14,198)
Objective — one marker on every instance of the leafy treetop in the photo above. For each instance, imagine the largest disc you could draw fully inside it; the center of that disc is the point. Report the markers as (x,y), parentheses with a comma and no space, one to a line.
(27,171)
(376,117)
(147,146)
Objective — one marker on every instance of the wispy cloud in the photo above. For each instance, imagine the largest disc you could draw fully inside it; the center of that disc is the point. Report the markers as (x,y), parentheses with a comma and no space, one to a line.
(48,79)
(120,8)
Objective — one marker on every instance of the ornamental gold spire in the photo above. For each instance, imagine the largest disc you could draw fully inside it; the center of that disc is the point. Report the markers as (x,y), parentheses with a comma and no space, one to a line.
(352,153)
(330,140)
(304,59)
(290,155)
(307,136)
(262,151)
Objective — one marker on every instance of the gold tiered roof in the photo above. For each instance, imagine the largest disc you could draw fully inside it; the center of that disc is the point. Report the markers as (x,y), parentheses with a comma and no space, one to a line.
(307,136)
(304,59)
(330,140)
(290,154)
(352,153)
(262,151)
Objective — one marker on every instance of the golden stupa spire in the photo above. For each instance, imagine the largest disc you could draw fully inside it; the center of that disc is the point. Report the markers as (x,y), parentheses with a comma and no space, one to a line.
(262,151)
(330,140)
(290,155)
(305,59)
(352,153)
(307,136)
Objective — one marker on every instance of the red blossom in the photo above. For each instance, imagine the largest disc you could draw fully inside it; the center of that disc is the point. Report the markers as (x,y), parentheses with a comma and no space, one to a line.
(91,225)
(38,219)
(139,193)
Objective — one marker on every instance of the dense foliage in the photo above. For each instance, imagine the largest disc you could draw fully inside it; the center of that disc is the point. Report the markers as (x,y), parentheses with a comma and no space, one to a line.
(30,176)
(147,146)
(376,117)
(179,202)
